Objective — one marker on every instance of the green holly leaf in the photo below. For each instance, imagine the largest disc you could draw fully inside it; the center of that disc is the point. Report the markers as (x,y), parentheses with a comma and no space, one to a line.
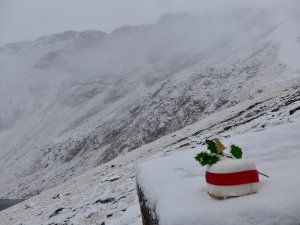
(211,146)
(205,158)
(236,151)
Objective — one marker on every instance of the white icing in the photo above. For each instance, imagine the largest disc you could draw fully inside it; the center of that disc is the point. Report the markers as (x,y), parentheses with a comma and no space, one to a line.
(226,165)
(236,190)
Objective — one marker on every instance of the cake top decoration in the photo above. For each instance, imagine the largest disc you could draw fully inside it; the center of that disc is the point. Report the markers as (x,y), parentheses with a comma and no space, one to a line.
(216,151)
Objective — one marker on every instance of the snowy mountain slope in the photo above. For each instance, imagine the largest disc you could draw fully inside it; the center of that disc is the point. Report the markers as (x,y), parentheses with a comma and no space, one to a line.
(106,194)
(72,101)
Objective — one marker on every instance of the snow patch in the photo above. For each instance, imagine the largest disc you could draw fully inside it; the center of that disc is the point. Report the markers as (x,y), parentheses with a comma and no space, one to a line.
(175,185)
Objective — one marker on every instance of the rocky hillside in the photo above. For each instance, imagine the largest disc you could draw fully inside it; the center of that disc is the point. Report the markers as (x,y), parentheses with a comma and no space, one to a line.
(107,195)
(75,100)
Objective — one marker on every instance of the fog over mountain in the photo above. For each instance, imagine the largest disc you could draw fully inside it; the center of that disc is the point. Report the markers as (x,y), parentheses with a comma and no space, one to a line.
(30,19)
(75,100)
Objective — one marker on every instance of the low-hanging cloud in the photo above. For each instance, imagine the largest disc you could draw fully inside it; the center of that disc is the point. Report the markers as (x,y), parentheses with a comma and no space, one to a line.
(26,20)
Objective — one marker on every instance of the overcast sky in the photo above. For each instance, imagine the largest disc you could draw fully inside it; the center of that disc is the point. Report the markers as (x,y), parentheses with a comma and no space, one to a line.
(22,20)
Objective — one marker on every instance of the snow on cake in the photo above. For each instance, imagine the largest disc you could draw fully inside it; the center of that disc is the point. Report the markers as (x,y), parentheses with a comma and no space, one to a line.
(231,178)
(227,175)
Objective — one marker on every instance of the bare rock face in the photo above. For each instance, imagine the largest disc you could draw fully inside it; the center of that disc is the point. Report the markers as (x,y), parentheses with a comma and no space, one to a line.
(149,216)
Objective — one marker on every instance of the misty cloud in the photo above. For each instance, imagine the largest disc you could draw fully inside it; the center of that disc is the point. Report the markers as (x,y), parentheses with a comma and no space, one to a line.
(26,20)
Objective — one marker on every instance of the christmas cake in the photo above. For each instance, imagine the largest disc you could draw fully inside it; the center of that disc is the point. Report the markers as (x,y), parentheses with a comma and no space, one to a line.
(231,178)
(227,175)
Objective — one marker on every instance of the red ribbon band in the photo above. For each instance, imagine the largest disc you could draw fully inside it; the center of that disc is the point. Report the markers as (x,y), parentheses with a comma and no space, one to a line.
(230,179)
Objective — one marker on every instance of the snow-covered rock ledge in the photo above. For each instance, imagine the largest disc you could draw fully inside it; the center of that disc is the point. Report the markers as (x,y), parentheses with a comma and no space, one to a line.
(149,216)
(172,190)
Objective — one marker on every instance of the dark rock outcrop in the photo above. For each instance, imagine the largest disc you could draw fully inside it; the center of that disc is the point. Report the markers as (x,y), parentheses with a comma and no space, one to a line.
(149,216)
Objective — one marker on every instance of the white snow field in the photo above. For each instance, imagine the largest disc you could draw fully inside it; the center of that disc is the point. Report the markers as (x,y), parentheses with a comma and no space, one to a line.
(175,185)
(107,194)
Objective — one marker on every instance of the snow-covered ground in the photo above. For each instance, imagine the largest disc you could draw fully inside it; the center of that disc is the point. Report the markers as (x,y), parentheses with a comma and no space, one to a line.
(107,194)
(175,186)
